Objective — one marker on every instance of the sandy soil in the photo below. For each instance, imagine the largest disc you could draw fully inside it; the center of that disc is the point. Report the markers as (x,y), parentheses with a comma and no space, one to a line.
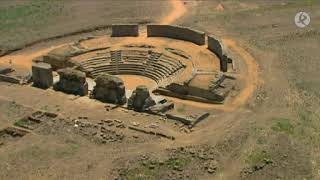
(23,59)
(131,82)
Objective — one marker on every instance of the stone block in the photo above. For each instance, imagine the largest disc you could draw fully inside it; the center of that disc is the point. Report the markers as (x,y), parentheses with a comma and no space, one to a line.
(109,89)
(72,82)
(42,75)
(140,99)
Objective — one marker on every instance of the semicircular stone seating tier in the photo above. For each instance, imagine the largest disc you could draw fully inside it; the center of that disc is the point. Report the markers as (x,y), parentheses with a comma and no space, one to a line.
(153,65)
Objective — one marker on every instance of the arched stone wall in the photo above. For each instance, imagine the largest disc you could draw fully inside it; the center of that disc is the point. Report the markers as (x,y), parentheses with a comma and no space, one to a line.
(216,46)
(177,32)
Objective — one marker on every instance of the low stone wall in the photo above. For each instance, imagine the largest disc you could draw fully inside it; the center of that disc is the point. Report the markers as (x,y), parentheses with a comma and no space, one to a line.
(216,46)
(5,70)
(166,92)
(151,132)
(9,79)
(176,32)
(125,30)
(194,91)
(203,93)
(188,120)
(160,108)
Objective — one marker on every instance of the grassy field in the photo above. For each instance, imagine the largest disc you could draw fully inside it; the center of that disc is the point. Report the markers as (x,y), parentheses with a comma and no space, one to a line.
(288,59)
(19,22)
(23,22)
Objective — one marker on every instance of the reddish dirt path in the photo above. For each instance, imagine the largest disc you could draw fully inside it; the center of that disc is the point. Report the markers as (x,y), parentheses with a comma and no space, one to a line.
(251,76)
(23,58)
(178,11)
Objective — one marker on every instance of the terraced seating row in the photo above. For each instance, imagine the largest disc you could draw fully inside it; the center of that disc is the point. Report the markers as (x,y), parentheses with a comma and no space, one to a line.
(134,53)
(157,73)
(96,58)
(134,56)
(134,59)
(115,57)
(132,67)
(87,64)
(152,58)
(168,60)
(156,66)
(129,70)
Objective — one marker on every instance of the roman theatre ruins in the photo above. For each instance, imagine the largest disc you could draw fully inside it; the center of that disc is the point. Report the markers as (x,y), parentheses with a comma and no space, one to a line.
(144,68)
(170,60)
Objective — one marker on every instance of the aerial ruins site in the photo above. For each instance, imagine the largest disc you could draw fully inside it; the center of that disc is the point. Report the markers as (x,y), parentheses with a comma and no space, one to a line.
(183,94)
(139,72)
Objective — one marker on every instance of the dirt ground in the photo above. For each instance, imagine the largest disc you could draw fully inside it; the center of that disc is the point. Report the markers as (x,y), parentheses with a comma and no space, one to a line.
(271,130)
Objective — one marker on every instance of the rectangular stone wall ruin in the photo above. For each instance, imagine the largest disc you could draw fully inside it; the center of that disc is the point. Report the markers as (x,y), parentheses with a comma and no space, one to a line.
(125,30)
(177,32)
(184,91)
(204,93)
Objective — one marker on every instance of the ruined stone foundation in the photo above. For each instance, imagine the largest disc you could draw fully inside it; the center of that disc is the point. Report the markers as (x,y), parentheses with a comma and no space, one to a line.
(109,89)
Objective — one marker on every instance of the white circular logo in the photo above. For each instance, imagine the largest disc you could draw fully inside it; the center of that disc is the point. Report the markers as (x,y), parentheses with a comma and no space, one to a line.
(302,19)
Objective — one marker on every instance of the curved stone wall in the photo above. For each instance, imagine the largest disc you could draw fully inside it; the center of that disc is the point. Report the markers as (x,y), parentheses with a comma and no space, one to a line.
(122,30)
(177,32)
(216,46)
